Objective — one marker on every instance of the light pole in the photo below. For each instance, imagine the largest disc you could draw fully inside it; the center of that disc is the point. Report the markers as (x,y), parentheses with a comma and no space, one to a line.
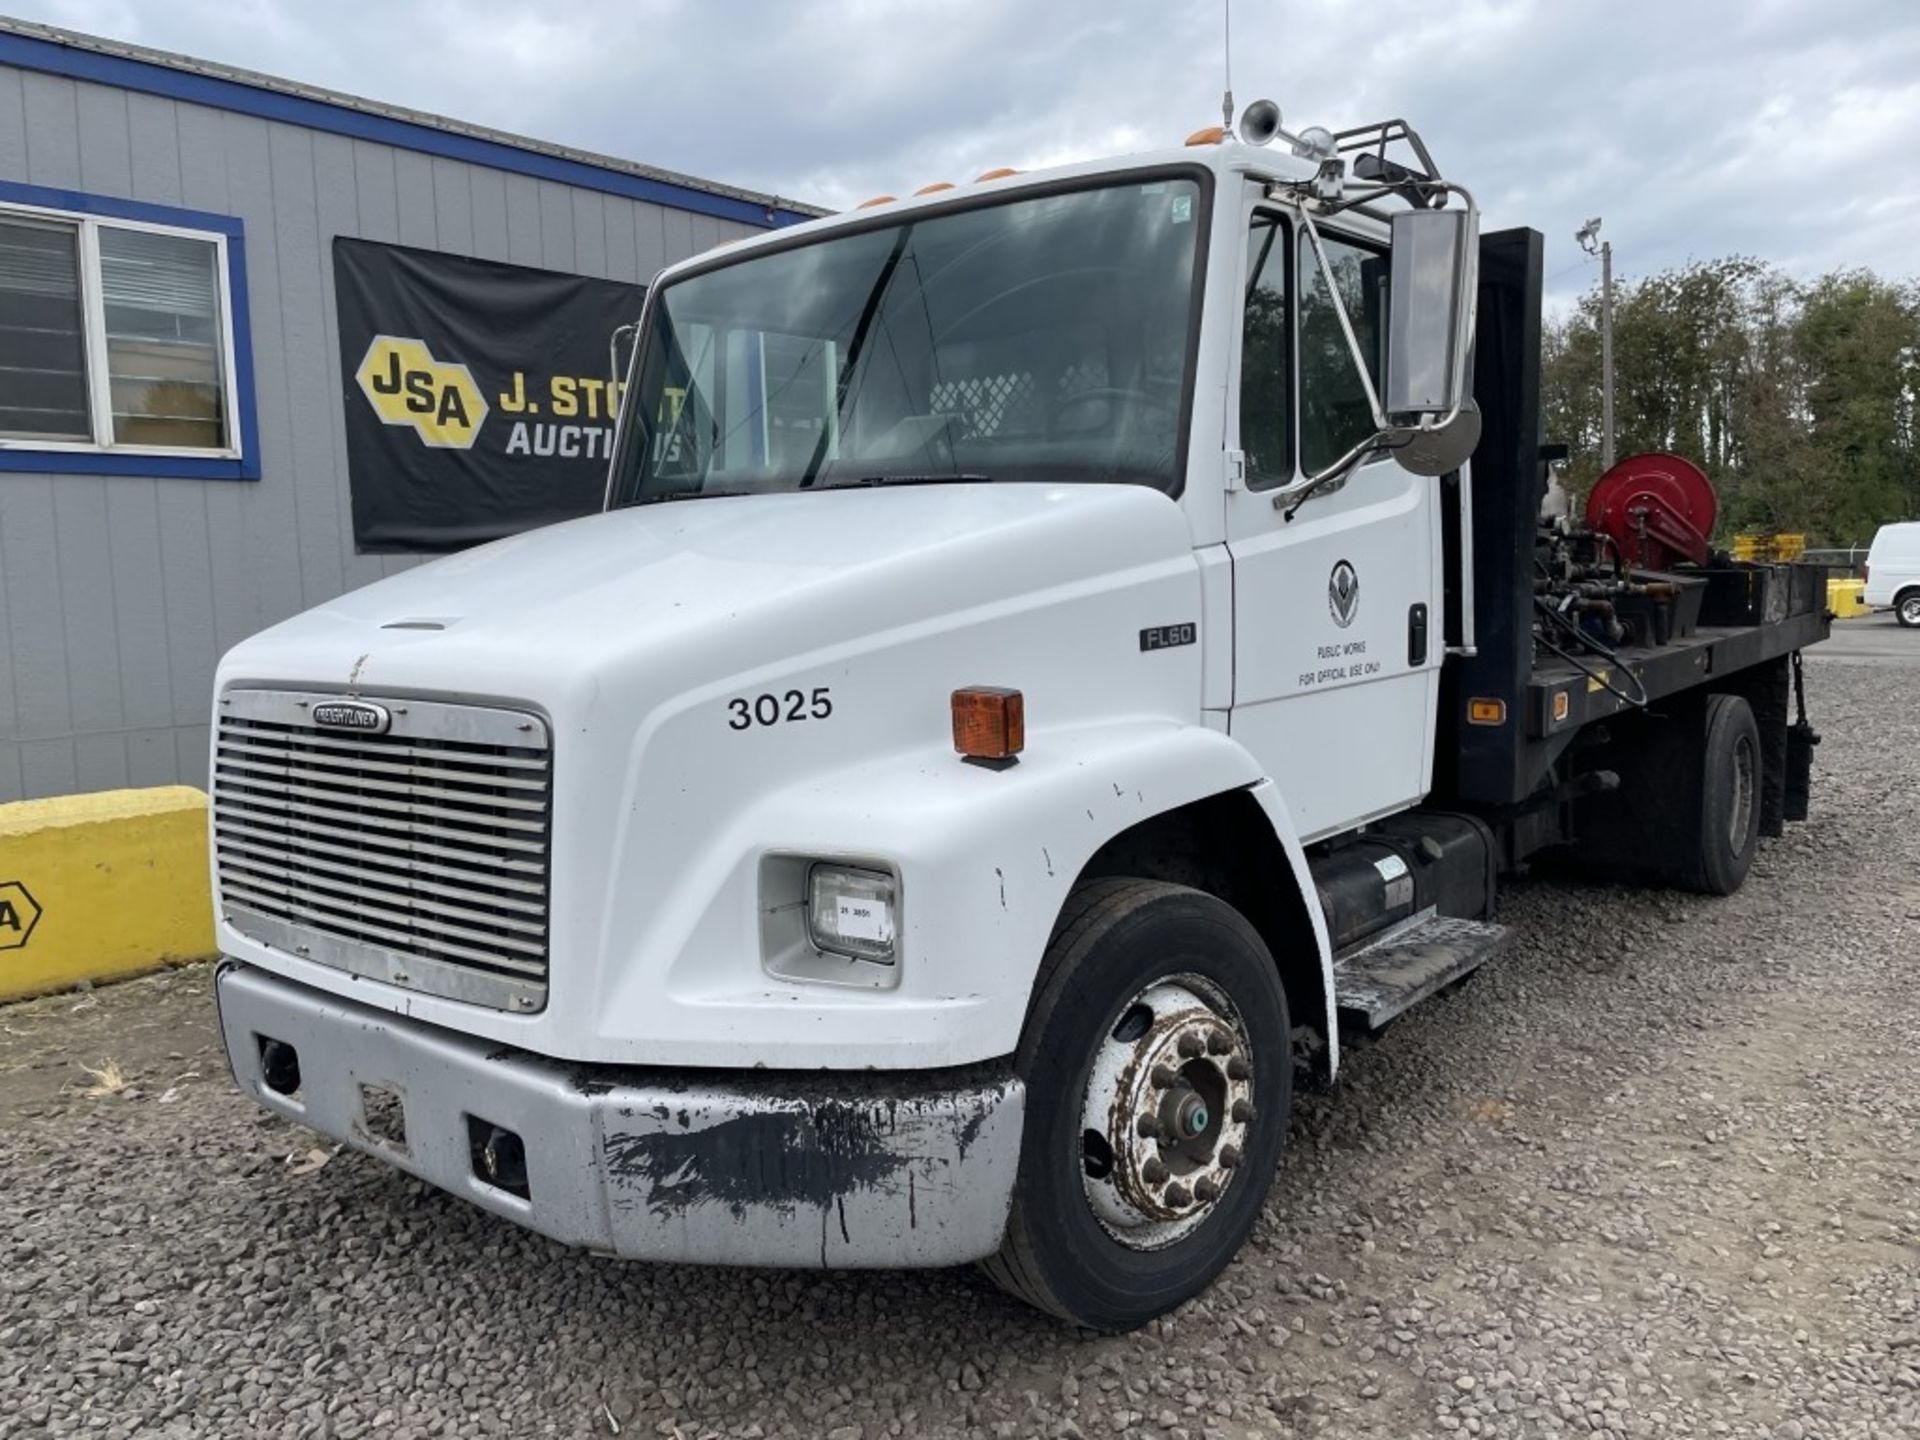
(1587,234)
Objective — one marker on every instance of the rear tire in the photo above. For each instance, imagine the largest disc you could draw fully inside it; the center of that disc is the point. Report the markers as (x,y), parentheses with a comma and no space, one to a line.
(1906,609)
(1731,777)
(1158,1041)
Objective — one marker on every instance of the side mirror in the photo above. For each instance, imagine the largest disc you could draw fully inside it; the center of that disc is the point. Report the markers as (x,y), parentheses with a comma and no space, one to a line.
(1424,415)
(1430,314)
(1430,337)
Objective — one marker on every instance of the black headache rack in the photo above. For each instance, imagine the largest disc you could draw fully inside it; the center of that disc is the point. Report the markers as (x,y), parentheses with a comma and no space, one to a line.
(1513,713)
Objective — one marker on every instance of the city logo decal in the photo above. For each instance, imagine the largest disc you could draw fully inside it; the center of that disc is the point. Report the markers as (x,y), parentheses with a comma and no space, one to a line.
(1343,594)
(406,385)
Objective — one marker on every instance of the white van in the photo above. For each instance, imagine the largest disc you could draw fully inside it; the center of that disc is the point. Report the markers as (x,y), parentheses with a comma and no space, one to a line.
(1893,571)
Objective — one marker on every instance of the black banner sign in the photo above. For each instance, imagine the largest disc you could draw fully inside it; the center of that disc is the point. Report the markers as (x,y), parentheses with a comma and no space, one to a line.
(477,397)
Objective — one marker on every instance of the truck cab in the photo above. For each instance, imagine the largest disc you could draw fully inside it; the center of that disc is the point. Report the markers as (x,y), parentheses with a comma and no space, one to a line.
(919,821)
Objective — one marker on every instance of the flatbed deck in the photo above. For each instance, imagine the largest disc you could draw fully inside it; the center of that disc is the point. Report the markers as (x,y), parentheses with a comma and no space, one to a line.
(1561,697)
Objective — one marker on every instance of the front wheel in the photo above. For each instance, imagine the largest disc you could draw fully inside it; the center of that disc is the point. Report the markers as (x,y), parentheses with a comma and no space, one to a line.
(1158,1071)
(1906,609)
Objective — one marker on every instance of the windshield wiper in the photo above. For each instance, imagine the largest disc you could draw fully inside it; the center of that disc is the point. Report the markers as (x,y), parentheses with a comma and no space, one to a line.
(861,329)
(867,482)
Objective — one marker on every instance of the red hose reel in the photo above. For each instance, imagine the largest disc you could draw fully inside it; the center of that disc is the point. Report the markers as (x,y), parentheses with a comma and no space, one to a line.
(1658,509)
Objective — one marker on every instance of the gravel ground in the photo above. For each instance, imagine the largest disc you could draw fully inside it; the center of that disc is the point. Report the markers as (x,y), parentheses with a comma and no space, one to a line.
(1652,1173)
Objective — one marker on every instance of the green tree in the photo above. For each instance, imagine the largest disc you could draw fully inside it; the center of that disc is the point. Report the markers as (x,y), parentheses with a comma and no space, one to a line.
(1798,401)
(1857,338)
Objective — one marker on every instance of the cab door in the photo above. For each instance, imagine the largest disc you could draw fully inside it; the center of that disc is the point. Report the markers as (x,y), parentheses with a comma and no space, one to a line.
(1337,633)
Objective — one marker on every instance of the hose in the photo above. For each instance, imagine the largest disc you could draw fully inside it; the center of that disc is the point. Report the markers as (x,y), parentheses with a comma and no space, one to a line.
(1603,679)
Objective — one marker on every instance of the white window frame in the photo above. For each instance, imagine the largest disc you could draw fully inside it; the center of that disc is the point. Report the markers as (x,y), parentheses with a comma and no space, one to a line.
(94,329)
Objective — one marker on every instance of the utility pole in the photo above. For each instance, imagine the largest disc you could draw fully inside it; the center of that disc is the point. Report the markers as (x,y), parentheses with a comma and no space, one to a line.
(1586,235)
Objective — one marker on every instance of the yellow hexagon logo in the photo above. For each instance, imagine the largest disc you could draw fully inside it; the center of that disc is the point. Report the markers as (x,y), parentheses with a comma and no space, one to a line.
(19,913)
(407,386)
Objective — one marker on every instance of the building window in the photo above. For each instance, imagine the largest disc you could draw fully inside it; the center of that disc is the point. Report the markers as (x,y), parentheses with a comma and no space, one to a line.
(117,341)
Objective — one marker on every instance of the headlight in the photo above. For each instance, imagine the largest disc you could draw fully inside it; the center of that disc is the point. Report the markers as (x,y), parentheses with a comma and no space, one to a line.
(851,912)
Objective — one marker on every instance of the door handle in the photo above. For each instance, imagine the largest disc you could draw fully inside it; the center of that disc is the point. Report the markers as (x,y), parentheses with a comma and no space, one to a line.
(1417,636)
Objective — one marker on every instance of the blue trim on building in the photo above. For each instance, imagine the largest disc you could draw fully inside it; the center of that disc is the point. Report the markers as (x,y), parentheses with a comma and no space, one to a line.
(169,467)
(30,53)
(108,207)
(113,462)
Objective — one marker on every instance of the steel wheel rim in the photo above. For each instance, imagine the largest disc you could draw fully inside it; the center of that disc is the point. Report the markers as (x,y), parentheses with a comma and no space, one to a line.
(1741,816)
(1167,1112)
(1910,609)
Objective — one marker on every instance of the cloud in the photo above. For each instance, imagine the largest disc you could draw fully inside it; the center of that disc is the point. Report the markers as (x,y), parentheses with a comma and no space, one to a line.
(1697,128)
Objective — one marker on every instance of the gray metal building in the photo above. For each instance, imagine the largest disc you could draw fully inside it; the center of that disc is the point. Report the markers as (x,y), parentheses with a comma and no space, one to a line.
(129,564)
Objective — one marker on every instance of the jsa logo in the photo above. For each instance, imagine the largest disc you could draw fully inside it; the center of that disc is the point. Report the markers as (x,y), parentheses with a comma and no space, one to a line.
(407,386)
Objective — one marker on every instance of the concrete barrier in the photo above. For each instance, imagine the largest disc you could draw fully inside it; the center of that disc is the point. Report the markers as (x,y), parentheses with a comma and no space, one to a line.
(102,887)
(1847,598)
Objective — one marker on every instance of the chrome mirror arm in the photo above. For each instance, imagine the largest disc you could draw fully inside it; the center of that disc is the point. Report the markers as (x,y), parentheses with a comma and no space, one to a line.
(1294,496)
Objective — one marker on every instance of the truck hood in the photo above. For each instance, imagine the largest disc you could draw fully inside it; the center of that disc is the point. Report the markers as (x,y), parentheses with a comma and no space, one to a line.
(722,585)
(735,685)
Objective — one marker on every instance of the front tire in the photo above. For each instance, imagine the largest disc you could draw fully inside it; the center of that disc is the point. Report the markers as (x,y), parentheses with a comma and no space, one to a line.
(1159,1072)
(1906,609)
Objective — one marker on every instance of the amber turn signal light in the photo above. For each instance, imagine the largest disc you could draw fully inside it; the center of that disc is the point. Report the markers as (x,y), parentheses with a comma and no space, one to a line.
(1482,711)
(989,723)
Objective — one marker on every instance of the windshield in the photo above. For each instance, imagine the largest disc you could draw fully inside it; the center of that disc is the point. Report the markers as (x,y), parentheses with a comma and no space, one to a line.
(1036,339)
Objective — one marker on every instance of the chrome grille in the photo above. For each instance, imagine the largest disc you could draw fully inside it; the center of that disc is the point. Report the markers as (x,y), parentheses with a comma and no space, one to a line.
(417,856)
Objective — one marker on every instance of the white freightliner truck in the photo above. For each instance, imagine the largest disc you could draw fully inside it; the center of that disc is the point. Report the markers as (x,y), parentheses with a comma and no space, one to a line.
(1046,664)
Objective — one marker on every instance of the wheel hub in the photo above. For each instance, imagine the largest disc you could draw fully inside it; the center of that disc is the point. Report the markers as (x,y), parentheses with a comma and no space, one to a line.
(1740,812)
(1168,1108)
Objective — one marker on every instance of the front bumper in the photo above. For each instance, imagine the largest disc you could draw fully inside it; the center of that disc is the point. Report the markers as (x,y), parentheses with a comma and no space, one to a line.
(823,1169)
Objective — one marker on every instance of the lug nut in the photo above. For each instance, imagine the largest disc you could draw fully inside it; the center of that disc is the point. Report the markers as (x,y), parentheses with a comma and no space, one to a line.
(1205,1190)
(1178,1197)
(1242,1112)
(1163,1077)
(1153,1172)
(1191,1046)
(1239,1069)
(1147,1127)
(1219,1044)
(1230,1156)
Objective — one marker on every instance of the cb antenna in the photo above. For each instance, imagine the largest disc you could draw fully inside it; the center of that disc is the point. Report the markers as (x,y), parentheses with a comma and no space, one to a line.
(1226,57)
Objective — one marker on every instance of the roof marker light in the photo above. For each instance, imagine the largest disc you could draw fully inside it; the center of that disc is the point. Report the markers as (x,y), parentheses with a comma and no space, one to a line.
(935,188)
(1212,135)
(1000,174)
(876,200)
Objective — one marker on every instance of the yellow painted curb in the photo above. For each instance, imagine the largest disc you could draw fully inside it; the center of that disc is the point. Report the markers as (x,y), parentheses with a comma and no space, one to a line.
(102,887)
(1847,599)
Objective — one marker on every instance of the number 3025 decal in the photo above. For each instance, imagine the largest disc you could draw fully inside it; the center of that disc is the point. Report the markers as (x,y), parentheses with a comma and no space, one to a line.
(778,709)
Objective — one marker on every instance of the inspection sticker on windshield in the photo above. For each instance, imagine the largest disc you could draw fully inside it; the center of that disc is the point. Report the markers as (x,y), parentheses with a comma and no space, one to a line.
(861,919)
(1182,209)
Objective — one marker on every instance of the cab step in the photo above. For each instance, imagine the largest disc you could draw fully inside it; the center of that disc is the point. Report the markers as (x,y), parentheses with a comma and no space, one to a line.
(1390,973)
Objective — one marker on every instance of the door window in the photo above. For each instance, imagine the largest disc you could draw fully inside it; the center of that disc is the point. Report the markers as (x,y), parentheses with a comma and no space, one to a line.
(1334,414)
(1266,357)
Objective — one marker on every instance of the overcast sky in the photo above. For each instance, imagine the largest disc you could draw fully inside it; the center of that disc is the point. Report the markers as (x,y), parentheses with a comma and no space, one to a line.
(1784,129)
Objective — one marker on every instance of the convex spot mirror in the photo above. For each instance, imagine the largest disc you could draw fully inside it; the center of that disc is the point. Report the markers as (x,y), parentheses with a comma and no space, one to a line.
(1429,333)
(1442,450)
